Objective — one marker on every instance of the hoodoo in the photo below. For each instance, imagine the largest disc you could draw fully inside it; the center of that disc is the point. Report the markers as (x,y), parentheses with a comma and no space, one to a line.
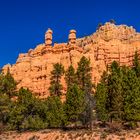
(48,37)
(72,37)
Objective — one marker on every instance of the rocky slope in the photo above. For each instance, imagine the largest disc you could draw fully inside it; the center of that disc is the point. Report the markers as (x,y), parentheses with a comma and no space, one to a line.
(110,42)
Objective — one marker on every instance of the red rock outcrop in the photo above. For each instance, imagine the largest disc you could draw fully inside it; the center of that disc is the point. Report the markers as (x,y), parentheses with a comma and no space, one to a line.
(110,42)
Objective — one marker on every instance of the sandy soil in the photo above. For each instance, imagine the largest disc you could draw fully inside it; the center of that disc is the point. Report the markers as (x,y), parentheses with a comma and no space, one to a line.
(71,135)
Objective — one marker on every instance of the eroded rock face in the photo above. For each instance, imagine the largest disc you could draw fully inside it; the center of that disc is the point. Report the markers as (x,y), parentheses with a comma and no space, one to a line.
(110,42)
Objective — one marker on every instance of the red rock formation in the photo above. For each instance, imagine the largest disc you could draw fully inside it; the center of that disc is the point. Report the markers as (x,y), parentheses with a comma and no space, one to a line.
(48,37)
(110,42)
(72,37)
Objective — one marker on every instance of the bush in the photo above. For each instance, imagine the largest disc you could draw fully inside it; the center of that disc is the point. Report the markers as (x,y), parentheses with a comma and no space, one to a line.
(131,125)
(27,112)
(33,123)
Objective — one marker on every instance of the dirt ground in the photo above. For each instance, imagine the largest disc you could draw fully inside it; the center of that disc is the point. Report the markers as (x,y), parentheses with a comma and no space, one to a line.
(71,135)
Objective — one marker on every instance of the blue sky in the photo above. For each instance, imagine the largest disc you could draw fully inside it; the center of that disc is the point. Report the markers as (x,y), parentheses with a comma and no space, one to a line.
(24,22)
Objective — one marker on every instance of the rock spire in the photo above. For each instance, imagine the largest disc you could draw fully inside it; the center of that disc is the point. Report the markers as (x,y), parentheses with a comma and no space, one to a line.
(48,37)
(72,37)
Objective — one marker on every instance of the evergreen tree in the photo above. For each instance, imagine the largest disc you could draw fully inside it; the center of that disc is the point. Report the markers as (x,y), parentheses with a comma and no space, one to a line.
(55,113)
(118,95)
(7,84)
(84,81)
(27,112)
(56,74)
(5,104)
(110,95)
(101,97)
(101,102)
(84,75)
(136,64)
(70,76)
(132,97)
(7,90)
(115,92)
(88,115)
(74,104)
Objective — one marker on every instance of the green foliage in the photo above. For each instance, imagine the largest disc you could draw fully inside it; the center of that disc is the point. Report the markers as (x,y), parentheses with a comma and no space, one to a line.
(118,94)
(84,75)
(33,123)
(89,114)
(84,81)
(55,113)
(101,102)
(74,104)
(115,92)
(5,104)
(70,76)
(25,111)
(7,84)
(132,97)
(117,98)
(136,64)
(7,90)
(132,125)
(56,73)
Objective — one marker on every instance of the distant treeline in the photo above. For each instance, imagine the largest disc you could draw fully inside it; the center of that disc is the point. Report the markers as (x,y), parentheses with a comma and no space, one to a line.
(116,98)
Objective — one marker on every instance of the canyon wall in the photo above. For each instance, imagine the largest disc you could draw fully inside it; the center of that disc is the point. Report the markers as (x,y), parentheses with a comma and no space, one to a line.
(110,42)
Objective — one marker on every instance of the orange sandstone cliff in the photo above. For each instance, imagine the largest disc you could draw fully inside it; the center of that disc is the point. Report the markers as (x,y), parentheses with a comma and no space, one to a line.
(110,42)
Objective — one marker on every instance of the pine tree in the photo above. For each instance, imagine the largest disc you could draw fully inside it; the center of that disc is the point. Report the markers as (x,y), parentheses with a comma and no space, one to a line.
(7,90)
(101,102)
(136,64)
(88,115)
(56,74)
(70,76)
(55,113)
(27,113)
(5,104)
(74,104)
(115,93)
(84,81)
(7,84)
(118,95)
(132,97)
(84,75)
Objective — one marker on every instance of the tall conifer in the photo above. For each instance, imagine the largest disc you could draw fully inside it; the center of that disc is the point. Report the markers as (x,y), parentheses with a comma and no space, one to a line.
(55,84)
